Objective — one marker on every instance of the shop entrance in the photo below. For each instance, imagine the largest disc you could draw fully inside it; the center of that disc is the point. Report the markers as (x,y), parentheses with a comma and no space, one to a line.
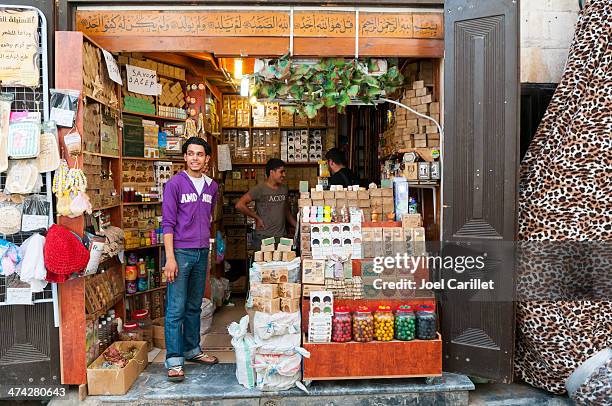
(475,198)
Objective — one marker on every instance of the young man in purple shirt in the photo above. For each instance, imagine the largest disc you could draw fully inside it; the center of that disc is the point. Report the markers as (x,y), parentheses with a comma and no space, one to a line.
(189,199)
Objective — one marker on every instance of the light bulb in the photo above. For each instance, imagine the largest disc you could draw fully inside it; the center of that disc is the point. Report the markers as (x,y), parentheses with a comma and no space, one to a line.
(238,68)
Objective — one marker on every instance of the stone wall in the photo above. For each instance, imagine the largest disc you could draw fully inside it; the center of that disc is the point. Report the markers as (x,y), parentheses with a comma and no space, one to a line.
(547,30)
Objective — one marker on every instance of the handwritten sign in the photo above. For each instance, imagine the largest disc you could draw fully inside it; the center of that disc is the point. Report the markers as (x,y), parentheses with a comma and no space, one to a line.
(142,81)
(19,48)
(317,24)
(111,66)
(19,296)
(401,25)
(177,23)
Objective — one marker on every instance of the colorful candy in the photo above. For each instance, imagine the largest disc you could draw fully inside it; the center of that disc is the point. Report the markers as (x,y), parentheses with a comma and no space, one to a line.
(363,325)
(341,325)
(426,323)
(405,323)
(383,324)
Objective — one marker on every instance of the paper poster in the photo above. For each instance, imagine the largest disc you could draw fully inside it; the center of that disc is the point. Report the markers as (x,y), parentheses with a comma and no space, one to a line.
(19,48)
(224,158)
(31,222)
(114,73)
(62,117)
(142,81)
(18,296)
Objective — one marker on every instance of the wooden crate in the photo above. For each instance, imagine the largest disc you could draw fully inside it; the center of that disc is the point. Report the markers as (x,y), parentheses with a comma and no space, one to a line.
(376,359)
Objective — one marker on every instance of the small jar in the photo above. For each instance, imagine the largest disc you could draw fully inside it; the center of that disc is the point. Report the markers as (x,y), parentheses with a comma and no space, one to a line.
(363,324)
(142,284)
(131,332)
(426,323)
(404,323)
(383,323)
(341,325)
(143,319)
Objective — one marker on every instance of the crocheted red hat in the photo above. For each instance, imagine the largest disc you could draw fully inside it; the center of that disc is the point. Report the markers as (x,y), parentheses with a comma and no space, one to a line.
(64,254)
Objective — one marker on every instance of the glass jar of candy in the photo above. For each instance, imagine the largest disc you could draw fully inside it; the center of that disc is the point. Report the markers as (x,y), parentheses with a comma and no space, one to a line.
(341,325)
(131,332)
(363,324)
(383,323)
(142,318)
(405,323)
(426,323)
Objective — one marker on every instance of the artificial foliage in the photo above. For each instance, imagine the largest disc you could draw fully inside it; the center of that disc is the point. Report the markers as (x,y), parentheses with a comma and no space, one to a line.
(330,82)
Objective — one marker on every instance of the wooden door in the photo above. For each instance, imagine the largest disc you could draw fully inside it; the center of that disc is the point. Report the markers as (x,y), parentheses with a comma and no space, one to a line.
(479,188)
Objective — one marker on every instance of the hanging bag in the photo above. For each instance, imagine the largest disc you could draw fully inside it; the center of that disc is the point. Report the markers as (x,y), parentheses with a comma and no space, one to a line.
(24,139)
(5,115)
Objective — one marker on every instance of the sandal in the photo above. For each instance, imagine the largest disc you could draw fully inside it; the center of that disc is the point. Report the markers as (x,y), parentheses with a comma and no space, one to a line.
(176,374)
(205,359)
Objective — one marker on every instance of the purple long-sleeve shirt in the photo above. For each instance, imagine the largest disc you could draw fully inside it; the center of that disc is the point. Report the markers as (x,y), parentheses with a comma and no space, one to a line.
(187,215)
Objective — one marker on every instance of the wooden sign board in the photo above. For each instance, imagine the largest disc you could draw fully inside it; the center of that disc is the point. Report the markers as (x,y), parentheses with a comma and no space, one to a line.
(180,23)
(215,23)
(19,48)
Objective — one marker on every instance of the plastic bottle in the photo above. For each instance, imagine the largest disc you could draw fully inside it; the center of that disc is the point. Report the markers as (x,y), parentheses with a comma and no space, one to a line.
(99,344)
(104,335)
(142,268)
(412,206)
(111,332)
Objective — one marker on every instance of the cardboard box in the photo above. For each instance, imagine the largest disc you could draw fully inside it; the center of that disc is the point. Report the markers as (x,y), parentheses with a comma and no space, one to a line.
(289,256)
(353,202)
(318,202)
(290,305)
(411,221)
(290,290)
(364,203)
(363,194)
(267,248)
(307,289)
(280,275)
(329,194)
(283,248)
(159,338)
(387,192)
(340,194)
(313,271)
(330,202)
(375,193)
(304,202)
(316,195)
(352,195)
(266,305)
(264,290)
(117,381)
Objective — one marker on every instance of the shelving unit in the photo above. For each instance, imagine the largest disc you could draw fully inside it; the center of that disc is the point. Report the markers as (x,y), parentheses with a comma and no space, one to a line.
(105,171)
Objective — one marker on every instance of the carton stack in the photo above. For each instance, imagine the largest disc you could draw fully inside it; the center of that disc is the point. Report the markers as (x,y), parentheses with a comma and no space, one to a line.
(151,139)
(270,252)
(410,130)
(414,233)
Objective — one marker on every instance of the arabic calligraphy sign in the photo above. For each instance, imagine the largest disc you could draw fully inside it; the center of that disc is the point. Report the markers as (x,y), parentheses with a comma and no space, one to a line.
(401,25)
(179,23)
(18,48)
(215,23)
(318,24)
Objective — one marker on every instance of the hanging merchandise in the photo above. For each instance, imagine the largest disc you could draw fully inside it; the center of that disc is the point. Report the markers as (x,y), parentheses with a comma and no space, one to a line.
(73,142)
(35,213)
(69,186)
(49,156)
(32,267)
(5,114)
(114,244)
(64,106)
(9,258)
(22,177)
(64,254)
(24,139)
(10,213)
(190,128)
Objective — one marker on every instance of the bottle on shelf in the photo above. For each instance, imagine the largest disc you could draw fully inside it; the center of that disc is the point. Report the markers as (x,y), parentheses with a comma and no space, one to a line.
(99,342)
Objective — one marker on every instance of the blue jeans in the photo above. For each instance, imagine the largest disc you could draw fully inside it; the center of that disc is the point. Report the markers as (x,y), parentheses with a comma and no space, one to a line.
(184,305)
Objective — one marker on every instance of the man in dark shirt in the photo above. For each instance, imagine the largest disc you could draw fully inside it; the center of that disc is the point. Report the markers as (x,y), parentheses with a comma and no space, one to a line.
(341,175)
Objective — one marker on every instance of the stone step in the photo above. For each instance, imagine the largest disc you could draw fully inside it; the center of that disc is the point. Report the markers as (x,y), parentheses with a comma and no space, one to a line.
(215,385)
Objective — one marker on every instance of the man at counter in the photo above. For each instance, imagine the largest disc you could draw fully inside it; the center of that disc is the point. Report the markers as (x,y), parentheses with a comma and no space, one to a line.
(272,210)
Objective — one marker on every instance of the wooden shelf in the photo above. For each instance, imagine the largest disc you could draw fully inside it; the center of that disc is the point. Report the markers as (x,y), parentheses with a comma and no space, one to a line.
(112,206)
(144,248)
(102,103)
(100,155)
(103,311)
(136,158)
(145,291)
(286,164)
(142,203)
(154,116)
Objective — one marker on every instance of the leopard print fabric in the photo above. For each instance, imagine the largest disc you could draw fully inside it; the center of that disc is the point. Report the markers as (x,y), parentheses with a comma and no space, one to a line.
(565,215)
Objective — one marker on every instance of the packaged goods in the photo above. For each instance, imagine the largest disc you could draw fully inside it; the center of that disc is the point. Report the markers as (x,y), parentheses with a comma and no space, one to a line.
(265,290)
(281,324)
(290,290)
(266,305)
(244,347)
(363,324)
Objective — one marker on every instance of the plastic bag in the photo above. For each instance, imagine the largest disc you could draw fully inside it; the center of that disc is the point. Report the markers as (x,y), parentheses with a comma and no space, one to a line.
(279,371)
(22,177)
(591,382)
(206,316)
(278,324)
(220,244)
(243,344)
(10,213)
(35,213)
(49,156)
(5,116)
(64,106)
(24,139)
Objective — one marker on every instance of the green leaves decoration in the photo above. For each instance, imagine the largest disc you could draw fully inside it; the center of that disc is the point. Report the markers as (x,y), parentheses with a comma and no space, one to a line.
(330,82)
